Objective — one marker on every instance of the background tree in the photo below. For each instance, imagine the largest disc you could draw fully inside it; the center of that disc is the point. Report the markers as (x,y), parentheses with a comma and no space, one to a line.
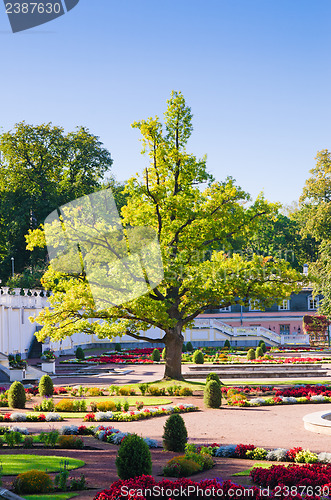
(315,217)
(190,223)
(42,168)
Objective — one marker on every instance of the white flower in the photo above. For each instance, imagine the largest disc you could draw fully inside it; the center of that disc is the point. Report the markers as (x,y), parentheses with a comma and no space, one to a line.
(18,417)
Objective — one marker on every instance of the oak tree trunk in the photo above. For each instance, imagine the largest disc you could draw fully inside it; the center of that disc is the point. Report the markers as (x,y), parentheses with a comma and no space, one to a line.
(174,343)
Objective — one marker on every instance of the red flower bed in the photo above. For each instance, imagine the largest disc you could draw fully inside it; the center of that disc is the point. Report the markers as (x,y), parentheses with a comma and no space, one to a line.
(241,450)
(145,487)
(306,391)
(122,358)
(292,475)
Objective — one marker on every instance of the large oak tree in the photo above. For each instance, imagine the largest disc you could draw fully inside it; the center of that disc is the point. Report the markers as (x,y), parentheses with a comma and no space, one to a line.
(193,216)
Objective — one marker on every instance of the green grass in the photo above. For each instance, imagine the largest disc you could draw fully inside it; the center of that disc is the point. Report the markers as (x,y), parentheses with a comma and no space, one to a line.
(247,471)
(15,464)
(54,496)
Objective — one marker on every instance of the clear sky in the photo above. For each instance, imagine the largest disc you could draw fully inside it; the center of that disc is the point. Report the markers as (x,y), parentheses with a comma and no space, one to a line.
(256,74)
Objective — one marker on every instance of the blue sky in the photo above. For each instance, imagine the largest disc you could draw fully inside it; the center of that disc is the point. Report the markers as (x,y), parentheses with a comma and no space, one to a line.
(256,74)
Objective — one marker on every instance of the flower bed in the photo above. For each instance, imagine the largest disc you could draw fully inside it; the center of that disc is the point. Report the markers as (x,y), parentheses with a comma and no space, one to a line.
(30,417)
(145,487)
(130,416)
(295,475)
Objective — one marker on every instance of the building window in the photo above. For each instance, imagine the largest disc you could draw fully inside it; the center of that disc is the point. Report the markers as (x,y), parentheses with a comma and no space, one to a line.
(225,309)
(254,305)
(284,306)
(313,303)
(284,329)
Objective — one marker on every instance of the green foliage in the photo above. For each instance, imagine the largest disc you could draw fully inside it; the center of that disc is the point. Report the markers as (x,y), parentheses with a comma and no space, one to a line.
(184,348)
(263,347)
(198,357)
(227,343)
(71,405)
(106,406)
(213,376)
(212,395)
(193,215)
(46,404)
(46,386)
(32,481)
(143,388)
(70,442)
(155,356)
(28,442)
(250,354)
(41,169)
(79,353)
(181,467)
(189,346)
(118,347)
(185,391)
(133,458)
(49,438)
(164,353)
(175,433)
(13,439)
(16,395)
(259,352)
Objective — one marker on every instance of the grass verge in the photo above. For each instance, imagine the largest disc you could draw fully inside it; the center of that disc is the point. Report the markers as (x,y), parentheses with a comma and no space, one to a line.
(15,464)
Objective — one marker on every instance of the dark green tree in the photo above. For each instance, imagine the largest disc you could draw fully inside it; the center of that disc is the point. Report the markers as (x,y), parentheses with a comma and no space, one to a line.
(41,168)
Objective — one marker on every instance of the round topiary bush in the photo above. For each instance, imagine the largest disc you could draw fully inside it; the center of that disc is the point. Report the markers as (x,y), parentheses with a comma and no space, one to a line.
(227,343)
(212,395)
(213,376)
(263,347)
(79,353)
(133,458)
(164,353)
(198,358)
(174,433)
(32,481)
(251,354)
(156,356)
(46,387)
(184,348)
(189,346)
(118,347)
(16,395)
(259,352)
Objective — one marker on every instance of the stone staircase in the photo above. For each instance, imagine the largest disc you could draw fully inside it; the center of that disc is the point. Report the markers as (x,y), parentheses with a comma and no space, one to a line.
(251,370)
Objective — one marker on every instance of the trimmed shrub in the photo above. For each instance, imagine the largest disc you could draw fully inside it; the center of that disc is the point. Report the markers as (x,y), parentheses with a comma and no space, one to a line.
(189,346)
(118,347)
(79,353)
(198,357)
(259,352)
(16,395)
(133,458)
(94,391)
(32,481)
(184,348)
(181,467)
(250,354)
(164,353)
(156,356)
(175,433)
(46,387)
(65,405)
(227,343)
(212,395)
(263,347)
(71,442)
(213,376)
(185,391)
(106,406)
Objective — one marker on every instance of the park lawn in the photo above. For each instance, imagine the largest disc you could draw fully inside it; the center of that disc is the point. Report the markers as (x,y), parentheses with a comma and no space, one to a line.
(53,496)
(15,464)
(195,386)
(264,465)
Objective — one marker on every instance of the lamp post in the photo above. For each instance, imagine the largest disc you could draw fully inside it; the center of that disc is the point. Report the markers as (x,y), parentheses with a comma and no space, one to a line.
(12,266)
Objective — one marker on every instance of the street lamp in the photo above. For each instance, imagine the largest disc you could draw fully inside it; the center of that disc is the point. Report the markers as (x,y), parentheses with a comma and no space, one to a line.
(12,265)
